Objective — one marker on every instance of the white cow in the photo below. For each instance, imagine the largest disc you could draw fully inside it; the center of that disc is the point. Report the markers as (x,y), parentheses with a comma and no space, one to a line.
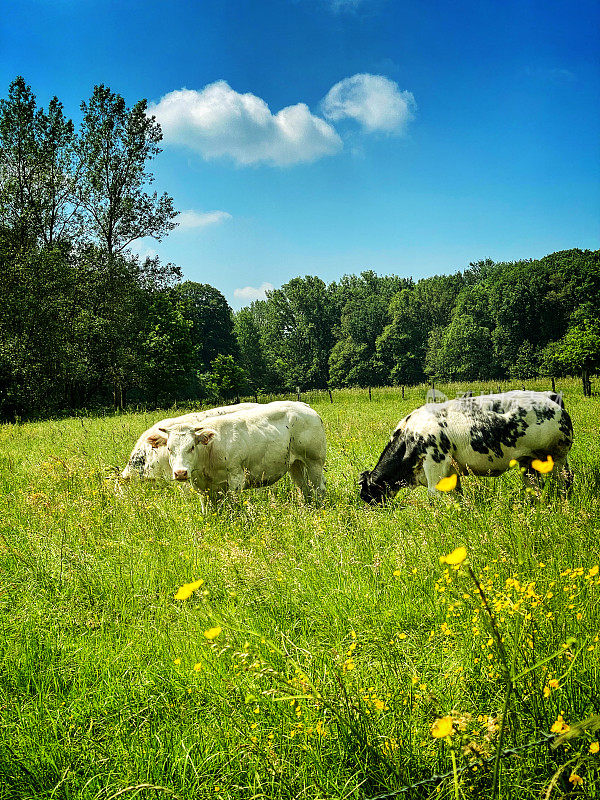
(150,459)
(249,448)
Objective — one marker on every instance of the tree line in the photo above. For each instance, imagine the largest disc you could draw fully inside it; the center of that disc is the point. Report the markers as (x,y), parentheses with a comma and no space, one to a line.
(85,322)
(491,321)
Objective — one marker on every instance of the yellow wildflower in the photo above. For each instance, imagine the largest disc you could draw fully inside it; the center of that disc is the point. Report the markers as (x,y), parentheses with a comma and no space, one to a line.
(513,463)
(177,661)
(560,726)
(197,667)
(575,779)
(593,571)
(188,589)
(543,466)
(553,684)
(442,727)
(447,484)
(456,557)
(396,573)
(212,633)
(594,748)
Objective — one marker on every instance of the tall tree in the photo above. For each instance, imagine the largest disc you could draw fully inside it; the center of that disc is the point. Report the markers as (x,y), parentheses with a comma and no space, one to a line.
(18,161)
(252,357)
(115,145)
(298,331)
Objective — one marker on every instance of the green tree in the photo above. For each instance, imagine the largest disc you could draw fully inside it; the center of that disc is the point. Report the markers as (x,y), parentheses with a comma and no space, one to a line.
(252,357)
(212,322)
(167,350)
(297,331)
(460,351)
(577,352)
(18,151)
(115,145)
(226,379)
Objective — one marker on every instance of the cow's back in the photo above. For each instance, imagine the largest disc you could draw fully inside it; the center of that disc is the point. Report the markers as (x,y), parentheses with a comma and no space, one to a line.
(263,441)
(489,427)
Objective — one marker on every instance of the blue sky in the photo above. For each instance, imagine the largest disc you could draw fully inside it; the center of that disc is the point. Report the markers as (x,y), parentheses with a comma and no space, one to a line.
(330,136)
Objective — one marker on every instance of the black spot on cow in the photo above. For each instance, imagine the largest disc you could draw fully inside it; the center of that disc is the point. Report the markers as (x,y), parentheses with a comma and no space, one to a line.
(543,414)
(565,425)
(138,461)
(489,430)
(444,443)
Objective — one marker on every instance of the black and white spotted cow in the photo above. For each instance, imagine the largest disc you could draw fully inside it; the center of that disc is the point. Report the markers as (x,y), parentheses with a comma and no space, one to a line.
(478,435)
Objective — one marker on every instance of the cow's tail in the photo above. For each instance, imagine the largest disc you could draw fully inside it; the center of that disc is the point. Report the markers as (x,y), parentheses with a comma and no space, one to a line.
(557,398)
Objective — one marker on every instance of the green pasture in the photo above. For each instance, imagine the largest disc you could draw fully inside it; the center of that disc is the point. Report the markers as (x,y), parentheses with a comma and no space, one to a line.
(323,644)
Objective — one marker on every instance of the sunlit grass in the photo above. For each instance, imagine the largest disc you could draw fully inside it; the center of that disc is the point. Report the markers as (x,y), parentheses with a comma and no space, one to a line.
(311,650)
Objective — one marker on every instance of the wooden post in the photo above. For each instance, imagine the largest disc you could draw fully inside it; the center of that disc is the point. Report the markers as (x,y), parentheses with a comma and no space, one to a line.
(298,392)
(369,392)
(403,392)
(553,384)
(330,395)
(256,398)
(433,390)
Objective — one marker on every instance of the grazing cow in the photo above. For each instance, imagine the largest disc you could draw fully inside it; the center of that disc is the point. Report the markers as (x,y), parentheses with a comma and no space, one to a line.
(478,435)
(150,459)
(249,448)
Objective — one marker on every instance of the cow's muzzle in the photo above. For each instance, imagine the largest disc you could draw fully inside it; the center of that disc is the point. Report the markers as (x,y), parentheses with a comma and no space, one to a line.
(370,491)
(180,475)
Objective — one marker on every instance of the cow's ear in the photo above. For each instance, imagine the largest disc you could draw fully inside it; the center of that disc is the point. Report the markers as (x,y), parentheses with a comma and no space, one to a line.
(204,435)
(158,439)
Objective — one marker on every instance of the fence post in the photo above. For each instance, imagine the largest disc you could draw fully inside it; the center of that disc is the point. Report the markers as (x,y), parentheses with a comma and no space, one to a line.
(553,384)
(330,395)
(369,392)
(403,392)
(298,393)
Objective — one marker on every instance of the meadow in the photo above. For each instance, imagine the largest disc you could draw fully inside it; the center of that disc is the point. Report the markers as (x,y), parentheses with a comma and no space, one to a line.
(319,651)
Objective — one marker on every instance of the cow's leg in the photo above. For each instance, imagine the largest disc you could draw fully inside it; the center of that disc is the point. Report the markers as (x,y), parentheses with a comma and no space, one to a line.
(530,478)
(316,478)
(564,476)
(308,477)
(235,484)
(435,471)
(299,475)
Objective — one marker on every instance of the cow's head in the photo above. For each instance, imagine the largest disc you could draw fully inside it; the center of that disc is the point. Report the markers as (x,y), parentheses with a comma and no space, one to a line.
(372,491)
(185,445)
(395,470)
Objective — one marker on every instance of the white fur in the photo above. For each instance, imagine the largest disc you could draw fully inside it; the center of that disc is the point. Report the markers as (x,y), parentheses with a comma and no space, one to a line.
(251,448)
(154,460)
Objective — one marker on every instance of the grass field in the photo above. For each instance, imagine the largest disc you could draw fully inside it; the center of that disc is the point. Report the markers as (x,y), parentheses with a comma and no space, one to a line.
(323,643)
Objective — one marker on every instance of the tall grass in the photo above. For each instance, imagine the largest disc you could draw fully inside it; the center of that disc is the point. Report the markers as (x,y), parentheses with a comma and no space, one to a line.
(343,638)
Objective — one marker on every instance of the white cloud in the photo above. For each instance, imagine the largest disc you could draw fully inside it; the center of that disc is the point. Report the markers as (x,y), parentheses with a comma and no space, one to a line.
(218,121)
(141,249)
(251,293)
(374,101)
(187,220)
